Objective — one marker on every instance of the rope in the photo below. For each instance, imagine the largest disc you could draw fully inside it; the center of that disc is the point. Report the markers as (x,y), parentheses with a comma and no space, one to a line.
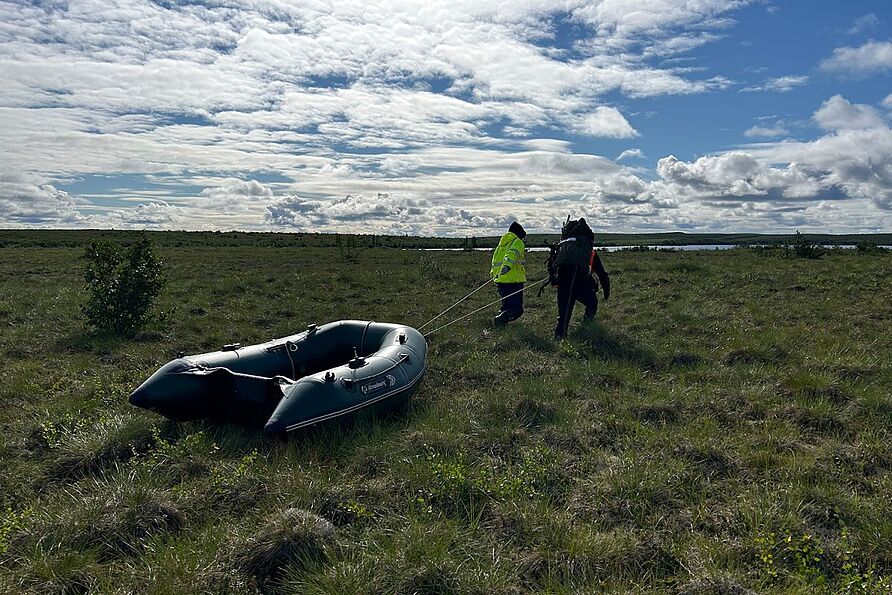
(486,306)
(455,304)
(288,345)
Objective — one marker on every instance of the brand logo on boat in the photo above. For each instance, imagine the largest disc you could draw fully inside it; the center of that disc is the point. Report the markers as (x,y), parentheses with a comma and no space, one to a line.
(385,382)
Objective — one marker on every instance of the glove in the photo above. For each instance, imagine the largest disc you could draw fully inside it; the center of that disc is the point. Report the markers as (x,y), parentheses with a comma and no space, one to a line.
(505,270)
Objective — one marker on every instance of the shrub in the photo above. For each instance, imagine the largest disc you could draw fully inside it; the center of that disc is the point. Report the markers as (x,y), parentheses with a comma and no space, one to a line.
(122,285)
(867,247)
(800,247)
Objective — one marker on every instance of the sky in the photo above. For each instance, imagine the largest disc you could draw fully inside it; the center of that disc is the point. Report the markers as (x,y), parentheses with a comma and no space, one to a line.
(425,117)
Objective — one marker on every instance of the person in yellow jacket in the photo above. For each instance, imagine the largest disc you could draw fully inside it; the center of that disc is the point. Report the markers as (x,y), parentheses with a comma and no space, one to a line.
(509,273)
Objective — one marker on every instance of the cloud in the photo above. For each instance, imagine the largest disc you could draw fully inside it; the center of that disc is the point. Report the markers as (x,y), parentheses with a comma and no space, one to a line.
(766,131)
(837,113)
(868,22)
(624,188)
(631,154)
(251,60)
(388,214)
(235,196)
(855,156)
(870,58)
(781,84)
(27,199)
(294,210)
(415,117)
(157,215)
(622,24)
(606,122)
(738,175)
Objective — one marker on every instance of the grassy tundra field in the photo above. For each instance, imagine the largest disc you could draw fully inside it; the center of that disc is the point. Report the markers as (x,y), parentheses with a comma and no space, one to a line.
(723,428)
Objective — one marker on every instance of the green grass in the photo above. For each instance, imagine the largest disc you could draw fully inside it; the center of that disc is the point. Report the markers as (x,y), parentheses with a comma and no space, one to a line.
(724,426)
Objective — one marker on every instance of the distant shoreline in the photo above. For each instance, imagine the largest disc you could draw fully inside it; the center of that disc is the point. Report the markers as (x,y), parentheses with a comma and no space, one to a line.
(80,237)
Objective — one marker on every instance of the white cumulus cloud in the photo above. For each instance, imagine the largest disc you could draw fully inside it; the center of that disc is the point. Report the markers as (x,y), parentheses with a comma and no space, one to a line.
(870,58)
(606,122)
(837,113)
(236,195)
(26,199)
(152,215)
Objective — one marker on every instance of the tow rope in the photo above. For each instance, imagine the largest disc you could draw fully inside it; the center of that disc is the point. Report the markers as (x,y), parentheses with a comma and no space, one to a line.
(531,285)
(455,304)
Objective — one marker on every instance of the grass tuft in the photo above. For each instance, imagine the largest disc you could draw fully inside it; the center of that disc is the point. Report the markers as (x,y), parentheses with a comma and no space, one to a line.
(533,413)
(293,537)
(771,355)
(121,525)
(657,413)
(76,452)
(720,585)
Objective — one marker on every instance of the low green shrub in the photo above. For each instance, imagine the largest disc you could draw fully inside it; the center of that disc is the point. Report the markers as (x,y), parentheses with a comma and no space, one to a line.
(800,247)
(122,285)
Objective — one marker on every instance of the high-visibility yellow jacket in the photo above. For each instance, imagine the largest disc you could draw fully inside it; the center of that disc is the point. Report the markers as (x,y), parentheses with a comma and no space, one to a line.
(509,254)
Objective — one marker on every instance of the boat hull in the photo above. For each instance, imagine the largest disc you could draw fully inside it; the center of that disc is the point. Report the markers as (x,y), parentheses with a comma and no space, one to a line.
(326,372)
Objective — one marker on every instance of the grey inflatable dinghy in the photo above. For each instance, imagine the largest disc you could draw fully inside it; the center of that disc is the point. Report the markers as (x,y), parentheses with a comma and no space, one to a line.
(325,372)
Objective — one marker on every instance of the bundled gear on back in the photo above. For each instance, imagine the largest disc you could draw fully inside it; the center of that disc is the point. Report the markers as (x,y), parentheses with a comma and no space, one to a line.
(575,249)
(576,245)
(571,263)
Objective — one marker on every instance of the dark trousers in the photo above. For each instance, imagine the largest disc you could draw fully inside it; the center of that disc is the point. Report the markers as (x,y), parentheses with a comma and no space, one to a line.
(512,307)
(574,287)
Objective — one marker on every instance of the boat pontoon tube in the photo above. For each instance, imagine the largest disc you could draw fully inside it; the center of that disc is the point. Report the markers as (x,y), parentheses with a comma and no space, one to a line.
(325,372)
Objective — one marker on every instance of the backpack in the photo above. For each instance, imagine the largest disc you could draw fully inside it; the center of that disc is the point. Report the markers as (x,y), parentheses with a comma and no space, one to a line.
(574,249)
(576,245)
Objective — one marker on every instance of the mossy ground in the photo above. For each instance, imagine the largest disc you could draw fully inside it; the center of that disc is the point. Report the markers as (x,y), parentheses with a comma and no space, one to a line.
(723,427)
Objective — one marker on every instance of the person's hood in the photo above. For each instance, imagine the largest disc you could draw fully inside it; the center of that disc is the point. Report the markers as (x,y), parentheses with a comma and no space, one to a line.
(518,230)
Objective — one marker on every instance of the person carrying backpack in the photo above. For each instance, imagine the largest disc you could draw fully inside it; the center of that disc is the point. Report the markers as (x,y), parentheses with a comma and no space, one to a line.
(509,273)
(570,266)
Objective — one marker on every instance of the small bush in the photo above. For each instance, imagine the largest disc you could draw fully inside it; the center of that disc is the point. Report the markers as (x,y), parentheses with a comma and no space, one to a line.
(800,247)
(868,247)
(122,285)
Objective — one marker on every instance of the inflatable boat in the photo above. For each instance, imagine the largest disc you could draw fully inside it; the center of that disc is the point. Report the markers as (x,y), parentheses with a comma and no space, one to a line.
(325,372)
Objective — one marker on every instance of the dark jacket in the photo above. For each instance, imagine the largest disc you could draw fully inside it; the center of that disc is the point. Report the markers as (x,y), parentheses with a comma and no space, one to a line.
(595,266)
